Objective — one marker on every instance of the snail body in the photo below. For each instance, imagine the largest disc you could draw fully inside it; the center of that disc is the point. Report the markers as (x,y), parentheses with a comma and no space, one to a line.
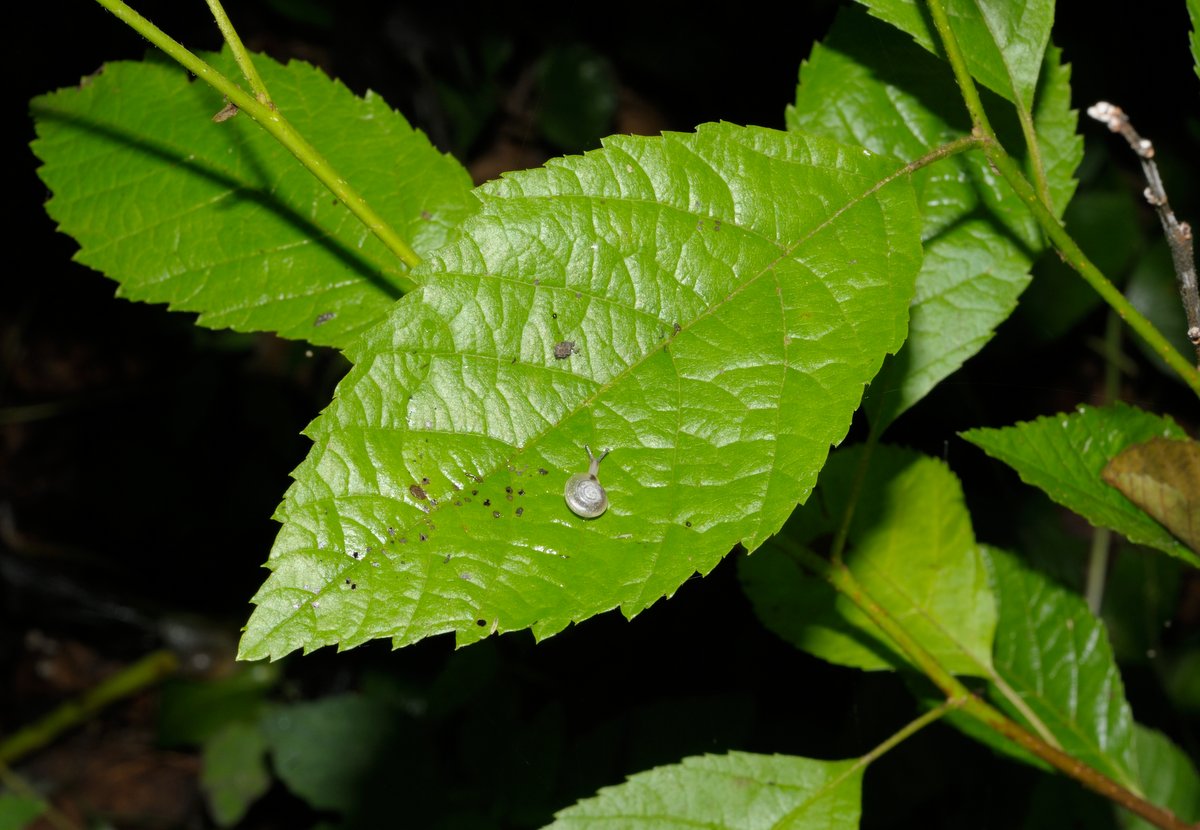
(584,493)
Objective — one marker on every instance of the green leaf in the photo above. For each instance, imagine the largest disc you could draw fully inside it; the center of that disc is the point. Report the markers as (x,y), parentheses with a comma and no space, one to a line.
(329,751)
(1055,671)
(234,773)
(1003,41)
(1168,778)
(708,306)
(911,547)
(220,218)
(18,812)
(738,791)
(1065,455)
(868,84)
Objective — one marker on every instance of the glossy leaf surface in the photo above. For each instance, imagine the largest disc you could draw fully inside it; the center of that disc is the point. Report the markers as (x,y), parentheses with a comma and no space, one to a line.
(867,83)
(1003,41)
(707,306)
(1055,670)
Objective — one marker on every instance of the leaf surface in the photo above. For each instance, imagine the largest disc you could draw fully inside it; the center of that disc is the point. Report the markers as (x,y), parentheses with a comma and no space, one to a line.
(706,306)
(1055,670)
(1169,778)
(221,219)
(738,791)
(910,546)
(868,84)
(1003,41)
(1065,455)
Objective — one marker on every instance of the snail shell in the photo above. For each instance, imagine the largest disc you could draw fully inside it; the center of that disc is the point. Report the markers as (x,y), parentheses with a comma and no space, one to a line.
(584,493)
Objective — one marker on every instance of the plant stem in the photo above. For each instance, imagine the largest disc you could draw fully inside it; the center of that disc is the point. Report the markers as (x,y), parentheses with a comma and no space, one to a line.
(912,728)
(1003,164)
(840,577)
(274,123)
(240,55)
(1098,555)
(146,672)
(1077,259)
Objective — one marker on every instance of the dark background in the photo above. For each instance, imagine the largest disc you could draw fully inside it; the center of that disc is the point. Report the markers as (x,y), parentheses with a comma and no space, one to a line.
(141,458)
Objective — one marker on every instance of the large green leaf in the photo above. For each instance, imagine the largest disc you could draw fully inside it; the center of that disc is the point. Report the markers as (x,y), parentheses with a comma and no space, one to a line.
(868,84)
(1055,672)
(1003,41)
(708,306)
(738,791)
(220,218)
(910,546)
(1065,456)
(1168,778)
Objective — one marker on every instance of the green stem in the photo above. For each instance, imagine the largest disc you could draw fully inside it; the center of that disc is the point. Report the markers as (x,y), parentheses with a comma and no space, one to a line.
(1077,259)
(840,577)
(274,123)
(1059,238)
(912,728)
(146,672)
(1035,155)
(240,55)
(1098,555)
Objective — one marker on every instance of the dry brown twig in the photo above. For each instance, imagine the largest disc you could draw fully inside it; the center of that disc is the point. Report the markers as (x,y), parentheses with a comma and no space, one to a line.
(1179,234)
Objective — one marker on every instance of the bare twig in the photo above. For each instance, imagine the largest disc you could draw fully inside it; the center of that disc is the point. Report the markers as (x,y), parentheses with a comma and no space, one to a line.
(1179,234)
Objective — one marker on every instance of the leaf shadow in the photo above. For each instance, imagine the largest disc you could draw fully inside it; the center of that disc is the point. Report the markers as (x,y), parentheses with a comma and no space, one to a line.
(259,196)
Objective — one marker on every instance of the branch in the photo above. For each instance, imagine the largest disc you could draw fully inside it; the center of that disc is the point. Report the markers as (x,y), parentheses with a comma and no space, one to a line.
(840,577)
(274,123)
(1179,234)
(148,671)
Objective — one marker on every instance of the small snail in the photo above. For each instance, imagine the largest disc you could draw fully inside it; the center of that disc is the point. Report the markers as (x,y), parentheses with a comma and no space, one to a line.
(583,492)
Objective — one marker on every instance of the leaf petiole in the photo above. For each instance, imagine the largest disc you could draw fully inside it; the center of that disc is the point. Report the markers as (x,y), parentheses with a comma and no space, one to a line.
(271,120)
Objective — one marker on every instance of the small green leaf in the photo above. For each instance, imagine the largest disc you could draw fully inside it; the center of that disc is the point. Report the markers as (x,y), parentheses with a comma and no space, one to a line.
(1168,778)
(1065,455)
(220,218)
(234,773)
(910,546)
(1054,669)
(1003,41)
(738,791)
(18,812)
(868,84)
(707,306)
(329,751)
